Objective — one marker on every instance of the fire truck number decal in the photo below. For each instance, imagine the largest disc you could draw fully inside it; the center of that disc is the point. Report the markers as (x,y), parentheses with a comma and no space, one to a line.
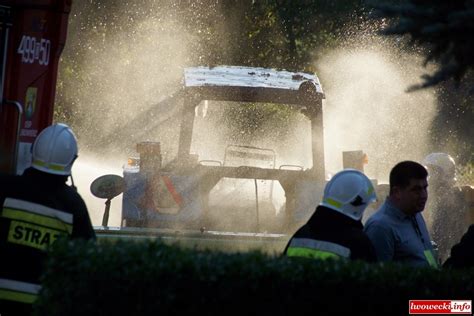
(34,49)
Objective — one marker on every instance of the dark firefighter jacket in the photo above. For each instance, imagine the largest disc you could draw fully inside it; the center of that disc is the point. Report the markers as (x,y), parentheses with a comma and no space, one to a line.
(36,209)
(330,234)
(462,254)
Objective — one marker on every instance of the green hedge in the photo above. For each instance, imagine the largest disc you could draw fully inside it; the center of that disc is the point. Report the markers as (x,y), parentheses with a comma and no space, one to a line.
(150,278)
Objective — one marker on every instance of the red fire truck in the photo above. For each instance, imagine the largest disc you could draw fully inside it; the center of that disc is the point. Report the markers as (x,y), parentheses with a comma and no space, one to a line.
(32,37)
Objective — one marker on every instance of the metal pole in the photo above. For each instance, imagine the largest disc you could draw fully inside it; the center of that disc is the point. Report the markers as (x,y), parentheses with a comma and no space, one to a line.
(105,219)
(256,204)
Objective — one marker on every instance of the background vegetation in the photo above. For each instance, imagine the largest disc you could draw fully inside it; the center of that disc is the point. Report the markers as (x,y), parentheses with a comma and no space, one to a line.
(285,34)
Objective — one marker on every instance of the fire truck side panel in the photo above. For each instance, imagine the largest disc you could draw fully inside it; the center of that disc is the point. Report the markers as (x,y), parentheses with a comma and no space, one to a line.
(35,41)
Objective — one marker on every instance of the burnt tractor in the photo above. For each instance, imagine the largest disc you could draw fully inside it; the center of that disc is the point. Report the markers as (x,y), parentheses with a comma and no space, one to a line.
(197,193)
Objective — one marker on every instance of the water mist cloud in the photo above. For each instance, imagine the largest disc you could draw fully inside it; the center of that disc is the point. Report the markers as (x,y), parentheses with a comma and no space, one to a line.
(368,108)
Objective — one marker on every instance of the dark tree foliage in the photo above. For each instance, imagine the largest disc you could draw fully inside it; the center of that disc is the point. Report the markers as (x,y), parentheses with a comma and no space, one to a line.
(273,33)
(444,31)
(278,34)
(446,27)
(283,34)
(453,127)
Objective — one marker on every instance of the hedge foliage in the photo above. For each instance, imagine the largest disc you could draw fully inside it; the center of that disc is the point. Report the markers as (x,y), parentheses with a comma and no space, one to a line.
(151,278)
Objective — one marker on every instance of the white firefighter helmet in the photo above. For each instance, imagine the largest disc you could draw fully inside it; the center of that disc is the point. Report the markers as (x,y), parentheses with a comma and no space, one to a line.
(55,150)
(349,192)
(443,164)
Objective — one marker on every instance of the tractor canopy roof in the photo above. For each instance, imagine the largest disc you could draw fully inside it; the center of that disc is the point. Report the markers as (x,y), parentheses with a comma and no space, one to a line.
(252,84)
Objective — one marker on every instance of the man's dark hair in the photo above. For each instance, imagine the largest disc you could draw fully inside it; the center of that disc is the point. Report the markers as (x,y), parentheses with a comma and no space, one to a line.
(404,171)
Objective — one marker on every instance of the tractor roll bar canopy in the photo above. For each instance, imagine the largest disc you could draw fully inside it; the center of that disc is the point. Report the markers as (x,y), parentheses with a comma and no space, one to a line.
(251,84)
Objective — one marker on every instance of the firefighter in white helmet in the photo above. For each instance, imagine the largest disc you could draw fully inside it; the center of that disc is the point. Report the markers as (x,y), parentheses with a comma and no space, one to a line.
(447,210)
(55,150)
(442,168)
(37,208)
(335,229)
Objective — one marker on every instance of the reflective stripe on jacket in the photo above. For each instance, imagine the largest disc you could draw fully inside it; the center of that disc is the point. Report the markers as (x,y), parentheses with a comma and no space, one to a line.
(16,291)
(35,225)
(330,234)
(29,226)
(316,249)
